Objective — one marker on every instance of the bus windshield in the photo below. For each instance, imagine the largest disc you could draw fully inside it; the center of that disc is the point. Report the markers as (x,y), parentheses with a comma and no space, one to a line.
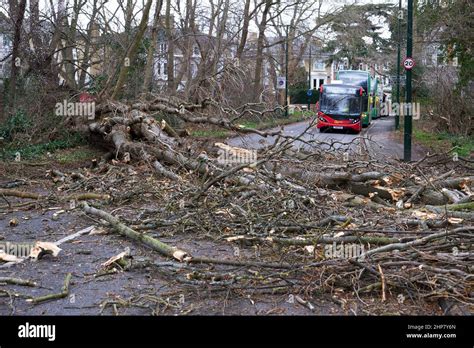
(340,104)
(355,78)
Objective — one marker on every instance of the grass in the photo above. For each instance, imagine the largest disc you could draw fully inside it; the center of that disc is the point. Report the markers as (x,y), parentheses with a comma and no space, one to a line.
(74,155)
(35,151)
(463,146)
(253,124)
(210,133)
(14,139)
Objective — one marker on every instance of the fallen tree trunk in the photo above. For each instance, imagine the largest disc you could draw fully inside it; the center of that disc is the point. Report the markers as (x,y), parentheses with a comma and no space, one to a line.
(166,249)
(122,229)
(129,130)
(37,196)
(317,240)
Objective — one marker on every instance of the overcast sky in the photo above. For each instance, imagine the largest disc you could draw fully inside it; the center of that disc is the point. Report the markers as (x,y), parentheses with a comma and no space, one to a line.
(112,5)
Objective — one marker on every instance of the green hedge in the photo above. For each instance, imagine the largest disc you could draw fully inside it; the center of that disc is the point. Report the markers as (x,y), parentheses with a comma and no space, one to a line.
(299,96)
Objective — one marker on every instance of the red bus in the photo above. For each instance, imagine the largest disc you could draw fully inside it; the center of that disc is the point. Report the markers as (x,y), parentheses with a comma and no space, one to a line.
(340,107)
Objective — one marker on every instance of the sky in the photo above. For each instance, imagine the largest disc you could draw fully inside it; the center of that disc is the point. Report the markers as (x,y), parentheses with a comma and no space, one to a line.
(112,5)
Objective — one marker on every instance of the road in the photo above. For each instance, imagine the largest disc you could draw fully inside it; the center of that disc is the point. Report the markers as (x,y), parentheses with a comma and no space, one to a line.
(379,137)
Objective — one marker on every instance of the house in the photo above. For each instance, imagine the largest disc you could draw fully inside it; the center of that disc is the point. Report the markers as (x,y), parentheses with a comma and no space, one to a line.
(321,71)
(186,55)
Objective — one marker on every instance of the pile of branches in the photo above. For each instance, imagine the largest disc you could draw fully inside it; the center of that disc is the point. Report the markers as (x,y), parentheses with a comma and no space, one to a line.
(289,215)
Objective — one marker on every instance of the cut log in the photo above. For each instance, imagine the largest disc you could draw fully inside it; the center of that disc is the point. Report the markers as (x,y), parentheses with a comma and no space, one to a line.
(168,129)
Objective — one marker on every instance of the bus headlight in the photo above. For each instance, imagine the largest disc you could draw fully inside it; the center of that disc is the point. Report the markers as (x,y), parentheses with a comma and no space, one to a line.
(322,119)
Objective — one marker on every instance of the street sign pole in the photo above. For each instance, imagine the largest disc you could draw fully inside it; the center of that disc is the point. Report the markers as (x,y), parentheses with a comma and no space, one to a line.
(408,114)
(286,72)
(309,77)
(397,116)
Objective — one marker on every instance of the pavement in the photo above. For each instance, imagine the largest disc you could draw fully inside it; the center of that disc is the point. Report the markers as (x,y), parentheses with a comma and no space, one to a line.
(379,138)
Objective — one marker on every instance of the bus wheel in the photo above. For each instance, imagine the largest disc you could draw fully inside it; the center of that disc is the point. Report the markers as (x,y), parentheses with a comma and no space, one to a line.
(322,130)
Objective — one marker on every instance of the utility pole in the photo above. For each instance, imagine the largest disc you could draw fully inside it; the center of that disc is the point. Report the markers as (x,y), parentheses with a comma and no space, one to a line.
(310,66)
(399,62)
(408,112)
(286,72)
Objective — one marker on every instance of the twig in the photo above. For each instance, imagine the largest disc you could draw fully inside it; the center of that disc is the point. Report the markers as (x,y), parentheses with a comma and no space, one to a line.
(17,281)
(64,293)
(382,278)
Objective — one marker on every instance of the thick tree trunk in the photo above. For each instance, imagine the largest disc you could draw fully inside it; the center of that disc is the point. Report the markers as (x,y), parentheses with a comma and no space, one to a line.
(16,60)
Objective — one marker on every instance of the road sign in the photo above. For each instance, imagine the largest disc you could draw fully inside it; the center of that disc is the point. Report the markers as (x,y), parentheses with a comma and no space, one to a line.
(309,93)
(408,63)
(281,82)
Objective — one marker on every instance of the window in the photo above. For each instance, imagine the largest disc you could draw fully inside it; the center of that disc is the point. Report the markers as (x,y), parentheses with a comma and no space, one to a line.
(440,59)
(321,82)
(315,83)
(319,65)
(165,68)
(196,51)
(159,69)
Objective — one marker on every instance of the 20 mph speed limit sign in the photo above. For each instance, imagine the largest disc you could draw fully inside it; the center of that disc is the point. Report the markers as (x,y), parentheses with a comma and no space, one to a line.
(408,63)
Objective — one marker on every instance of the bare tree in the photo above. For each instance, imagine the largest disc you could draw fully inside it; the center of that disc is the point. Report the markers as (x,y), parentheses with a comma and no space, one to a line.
(151,49)
(262,25)
(131,52)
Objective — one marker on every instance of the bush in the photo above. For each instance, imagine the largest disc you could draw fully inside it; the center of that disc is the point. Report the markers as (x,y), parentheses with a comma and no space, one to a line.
(16,123)
(298,94)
